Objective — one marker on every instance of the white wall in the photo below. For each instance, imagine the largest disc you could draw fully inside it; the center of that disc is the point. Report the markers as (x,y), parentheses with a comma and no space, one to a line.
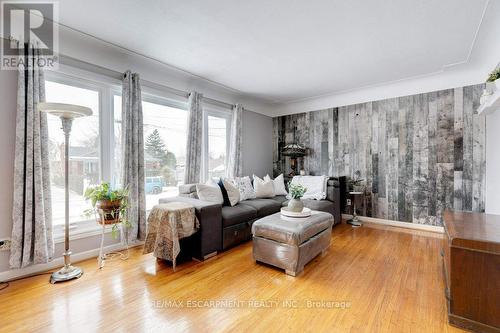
(493,163)
(257,144)
(8,88)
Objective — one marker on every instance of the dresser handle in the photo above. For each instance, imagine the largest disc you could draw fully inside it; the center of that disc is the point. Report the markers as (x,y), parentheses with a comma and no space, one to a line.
(441,252)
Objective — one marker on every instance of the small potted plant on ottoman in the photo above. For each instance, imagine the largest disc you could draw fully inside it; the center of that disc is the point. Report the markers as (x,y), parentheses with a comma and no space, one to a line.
(296,192)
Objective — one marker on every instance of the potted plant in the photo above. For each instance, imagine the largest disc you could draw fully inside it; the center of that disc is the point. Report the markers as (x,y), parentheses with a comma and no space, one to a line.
(357,183)
(492,84)
(296,192)
(495,75)
(109,206)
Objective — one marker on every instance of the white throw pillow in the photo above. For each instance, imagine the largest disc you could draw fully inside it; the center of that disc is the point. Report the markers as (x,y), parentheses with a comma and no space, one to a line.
(263,188)
(210,192)
(279,185)
(233,193)
(316,186)
(244,185)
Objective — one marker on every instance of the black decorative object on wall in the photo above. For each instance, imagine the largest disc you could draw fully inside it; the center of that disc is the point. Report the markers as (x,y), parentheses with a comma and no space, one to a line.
(419,154)
(294,151)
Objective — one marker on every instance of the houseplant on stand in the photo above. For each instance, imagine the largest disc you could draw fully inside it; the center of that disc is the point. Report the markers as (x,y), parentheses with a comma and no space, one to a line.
(110,208)
(296,192)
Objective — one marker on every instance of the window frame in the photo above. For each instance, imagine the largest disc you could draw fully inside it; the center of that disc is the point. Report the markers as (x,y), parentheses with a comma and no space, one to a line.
(107,88)
(217,113)
(88,226)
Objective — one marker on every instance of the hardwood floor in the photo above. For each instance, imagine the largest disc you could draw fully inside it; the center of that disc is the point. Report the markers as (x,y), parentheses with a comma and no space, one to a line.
(389,280)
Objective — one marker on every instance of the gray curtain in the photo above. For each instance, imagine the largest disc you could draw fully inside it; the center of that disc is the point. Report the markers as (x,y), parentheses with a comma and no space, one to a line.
(194,140)
(133,155)
(235,160)
(32,241)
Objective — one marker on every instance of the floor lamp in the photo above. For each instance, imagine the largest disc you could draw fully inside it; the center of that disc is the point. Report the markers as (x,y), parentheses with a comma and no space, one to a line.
(67,112)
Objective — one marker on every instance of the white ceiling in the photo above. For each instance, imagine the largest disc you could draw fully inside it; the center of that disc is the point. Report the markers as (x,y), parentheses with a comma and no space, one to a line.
(284,50)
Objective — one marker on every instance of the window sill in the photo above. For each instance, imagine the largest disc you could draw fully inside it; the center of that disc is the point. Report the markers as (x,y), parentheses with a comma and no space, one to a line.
(79,232)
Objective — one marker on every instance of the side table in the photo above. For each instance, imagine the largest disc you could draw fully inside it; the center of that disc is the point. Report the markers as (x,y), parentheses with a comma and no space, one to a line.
(355,221)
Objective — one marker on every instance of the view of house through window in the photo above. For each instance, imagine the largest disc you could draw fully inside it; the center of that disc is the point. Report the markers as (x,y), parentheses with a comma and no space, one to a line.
(165,135)
(83,150)
(165,130)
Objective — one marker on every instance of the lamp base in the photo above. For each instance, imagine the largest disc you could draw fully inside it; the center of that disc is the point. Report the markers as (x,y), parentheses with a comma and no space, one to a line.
(66,273)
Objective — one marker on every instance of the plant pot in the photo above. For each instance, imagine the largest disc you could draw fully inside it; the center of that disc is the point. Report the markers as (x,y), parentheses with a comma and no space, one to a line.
(493,86)
(108,211)
(295,205)
(358,188)
(485,96)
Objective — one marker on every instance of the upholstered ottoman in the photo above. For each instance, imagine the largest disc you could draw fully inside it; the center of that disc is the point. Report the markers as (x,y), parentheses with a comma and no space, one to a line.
(290,243)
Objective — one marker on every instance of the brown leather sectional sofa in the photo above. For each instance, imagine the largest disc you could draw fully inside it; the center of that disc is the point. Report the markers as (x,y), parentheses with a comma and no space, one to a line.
(222,227)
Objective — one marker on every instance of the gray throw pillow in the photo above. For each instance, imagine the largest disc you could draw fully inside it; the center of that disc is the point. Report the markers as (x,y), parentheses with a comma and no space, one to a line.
(233,192)
(209,192)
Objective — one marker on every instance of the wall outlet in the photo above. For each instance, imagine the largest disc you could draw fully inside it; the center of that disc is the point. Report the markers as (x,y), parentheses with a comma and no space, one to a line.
(4,244)
(348,202)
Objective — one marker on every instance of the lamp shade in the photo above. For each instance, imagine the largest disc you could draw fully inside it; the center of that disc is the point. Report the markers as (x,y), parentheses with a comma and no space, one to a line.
(294,150)
(68,111)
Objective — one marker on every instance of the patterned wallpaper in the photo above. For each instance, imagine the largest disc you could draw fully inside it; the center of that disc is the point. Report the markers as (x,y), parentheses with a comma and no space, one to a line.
(418,154)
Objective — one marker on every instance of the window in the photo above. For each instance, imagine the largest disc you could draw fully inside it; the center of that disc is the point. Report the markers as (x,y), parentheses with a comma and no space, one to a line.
(217,124)
(84,150)
(165,135)
(91,153)
(95,144)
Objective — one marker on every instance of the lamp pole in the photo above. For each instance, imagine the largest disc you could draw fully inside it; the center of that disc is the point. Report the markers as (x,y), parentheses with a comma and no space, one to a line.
(68,272)
(66,112)
(66,127)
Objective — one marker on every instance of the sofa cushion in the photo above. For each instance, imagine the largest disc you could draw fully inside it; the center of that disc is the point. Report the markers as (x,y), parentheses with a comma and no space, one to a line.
(237,214)
(321,205)
(264,207)
(280,199)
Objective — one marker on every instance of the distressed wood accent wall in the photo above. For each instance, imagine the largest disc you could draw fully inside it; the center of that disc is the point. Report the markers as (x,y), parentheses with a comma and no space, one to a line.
(419,154)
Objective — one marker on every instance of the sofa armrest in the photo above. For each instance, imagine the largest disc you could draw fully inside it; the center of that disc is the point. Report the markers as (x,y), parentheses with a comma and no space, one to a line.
(188,190)
(209,214)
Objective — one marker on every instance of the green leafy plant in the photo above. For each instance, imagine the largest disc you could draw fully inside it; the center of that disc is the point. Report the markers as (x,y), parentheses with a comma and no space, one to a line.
(112,204)
(495,75)
(296,190)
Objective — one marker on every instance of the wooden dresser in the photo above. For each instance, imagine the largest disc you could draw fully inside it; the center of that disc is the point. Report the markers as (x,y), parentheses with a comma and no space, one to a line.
(471,256)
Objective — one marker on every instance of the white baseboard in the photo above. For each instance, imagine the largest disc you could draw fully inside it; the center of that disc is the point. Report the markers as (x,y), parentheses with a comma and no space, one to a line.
(59,262)
(407,225)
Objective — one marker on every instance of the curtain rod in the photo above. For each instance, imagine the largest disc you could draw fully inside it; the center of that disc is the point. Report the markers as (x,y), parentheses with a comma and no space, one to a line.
(73,62)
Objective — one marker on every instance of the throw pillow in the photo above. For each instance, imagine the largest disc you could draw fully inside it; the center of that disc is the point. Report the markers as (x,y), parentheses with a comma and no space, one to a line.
(233,193)
(263,188)
(223,190)
(279,185)
(316,186)
(245,187)
(209,192)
